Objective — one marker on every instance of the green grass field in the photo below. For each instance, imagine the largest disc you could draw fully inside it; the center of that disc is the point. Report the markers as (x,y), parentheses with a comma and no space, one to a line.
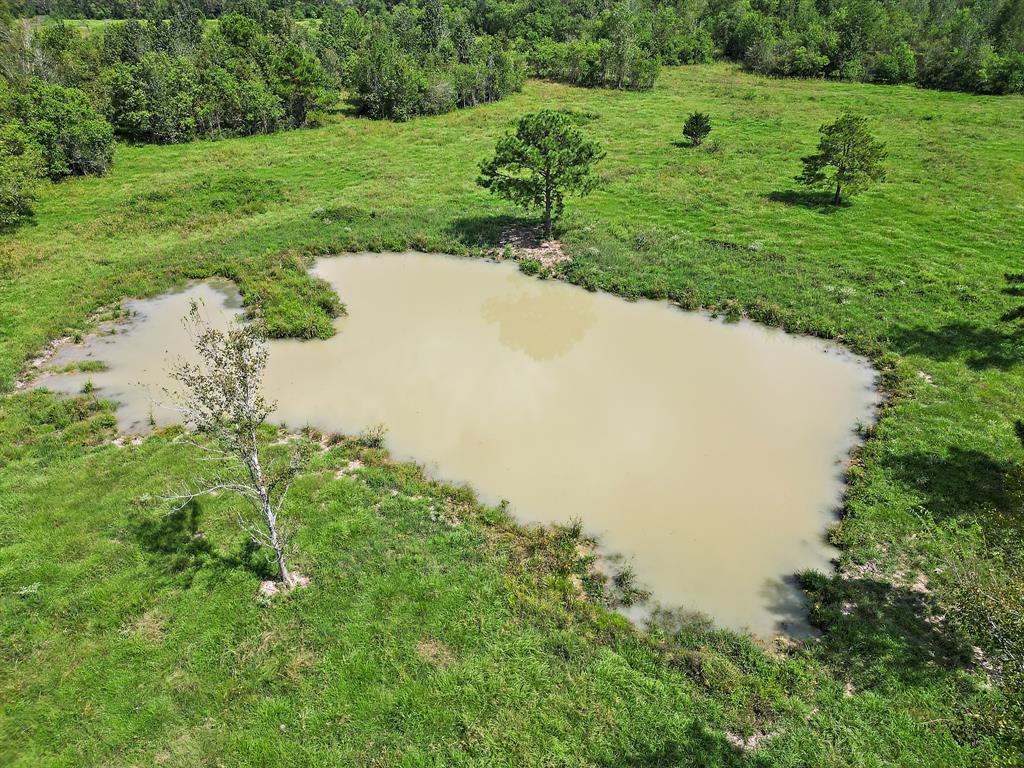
(129,638)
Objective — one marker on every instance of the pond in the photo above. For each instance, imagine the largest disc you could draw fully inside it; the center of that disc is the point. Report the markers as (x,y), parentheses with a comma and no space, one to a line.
(709,454)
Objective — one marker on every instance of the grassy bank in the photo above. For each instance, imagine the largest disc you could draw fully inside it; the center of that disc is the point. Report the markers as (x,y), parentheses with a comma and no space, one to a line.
(427,643)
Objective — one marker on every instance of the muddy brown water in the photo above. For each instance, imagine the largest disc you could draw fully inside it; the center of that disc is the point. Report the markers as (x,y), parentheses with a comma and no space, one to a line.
(710,455)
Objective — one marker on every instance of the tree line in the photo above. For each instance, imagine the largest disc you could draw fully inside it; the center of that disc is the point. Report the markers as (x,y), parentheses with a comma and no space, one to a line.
(972,45)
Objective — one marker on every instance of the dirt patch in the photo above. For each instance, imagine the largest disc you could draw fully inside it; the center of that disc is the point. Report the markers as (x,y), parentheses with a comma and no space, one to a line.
(526,245)
(352,466)
(270,589)
(435,652)
(748,743)
(149,626)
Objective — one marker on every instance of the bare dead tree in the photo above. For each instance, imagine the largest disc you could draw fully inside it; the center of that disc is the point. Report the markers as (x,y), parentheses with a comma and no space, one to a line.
(221,399)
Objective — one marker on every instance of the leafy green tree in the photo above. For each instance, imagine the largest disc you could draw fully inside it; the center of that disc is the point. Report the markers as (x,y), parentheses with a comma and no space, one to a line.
(543,160)
(62,55)
(171,90)
(127,101)
(697,127)
(73,138)
(435,23)
(623,55)
(300,83)
(124,42)
(848,159)
(386,81)
(21,168)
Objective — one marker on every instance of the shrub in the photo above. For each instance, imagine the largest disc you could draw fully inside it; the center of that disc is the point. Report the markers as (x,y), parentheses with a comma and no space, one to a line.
(21,167)
(697,128)
(73,138)
(896,66)
(529,266)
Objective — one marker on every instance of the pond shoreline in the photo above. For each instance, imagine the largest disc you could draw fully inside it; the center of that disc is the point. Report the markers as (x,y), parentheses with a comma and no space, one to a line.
(833,348)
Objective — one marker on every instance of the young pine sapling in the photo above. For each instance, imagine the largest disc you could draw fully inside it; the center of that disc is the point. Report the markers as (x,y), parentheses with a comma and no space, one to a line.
(696,128)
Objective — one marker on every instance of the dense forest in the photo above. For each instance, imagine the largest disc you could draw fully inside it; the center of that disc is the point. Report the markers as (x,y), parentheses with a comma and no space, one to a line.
(973,45)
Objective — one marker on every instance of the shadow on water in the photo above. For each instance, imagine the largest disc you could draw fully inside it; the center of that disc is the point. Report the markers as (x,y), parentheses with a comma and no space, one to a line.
(177,542)
(814,201)
(878,631)
(696,747)
(980,347)
(787,601)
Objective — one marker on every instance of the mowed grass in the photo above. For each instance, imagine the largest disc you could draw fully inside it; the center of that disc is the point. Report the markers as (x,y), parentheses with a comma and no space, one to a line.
(128,640)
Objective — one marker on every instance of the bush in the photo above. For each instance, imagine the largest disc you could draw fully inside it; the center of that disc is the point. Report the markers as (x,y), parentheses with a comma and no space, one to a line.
(599,63)
(21,167)
(1003,74)
(386,81)
(897,66)
(73,138)
(697,128)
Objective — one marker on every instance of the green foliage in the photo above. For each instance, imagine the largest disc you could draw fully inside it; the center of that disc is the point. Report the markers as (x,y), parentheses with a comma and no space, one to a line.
(961,45)
(542,161)
(593,63)
(396,80)
(848,159)
(300,83)
(73,138)
(387,82)
(21,167)
(166,83)
(697,127)
(529,266)
(964,47)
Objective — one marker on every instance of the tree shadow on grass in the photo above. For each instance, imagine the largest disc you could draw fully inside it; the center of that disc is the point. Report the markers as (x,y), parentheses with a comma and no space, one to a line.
(877,632)
(175,535)
(697,747)
(487,231)
(968,486)
(27,220)
(176,541)
(980,347)
(814,201)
